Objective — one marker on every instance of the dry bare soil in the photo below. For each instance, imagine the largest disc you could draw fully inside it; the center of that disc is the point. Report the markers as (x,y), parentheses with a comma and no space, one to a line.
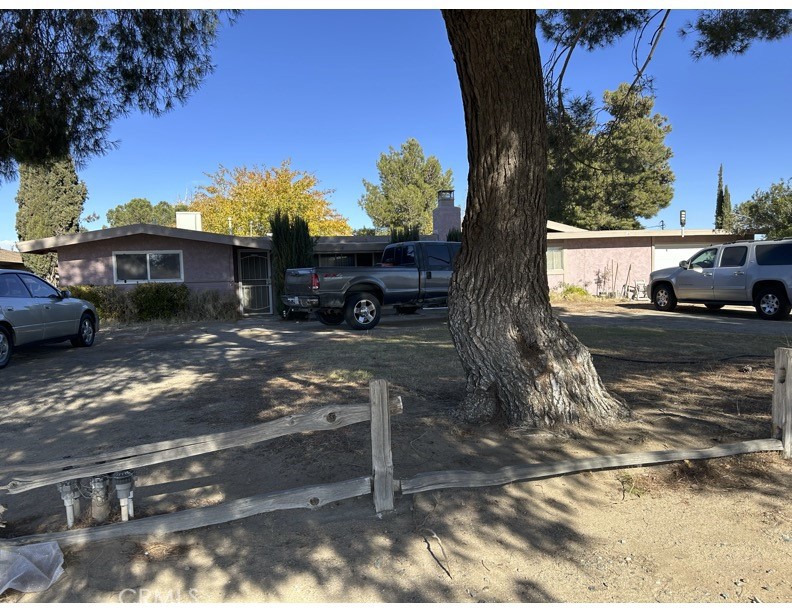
(715,531)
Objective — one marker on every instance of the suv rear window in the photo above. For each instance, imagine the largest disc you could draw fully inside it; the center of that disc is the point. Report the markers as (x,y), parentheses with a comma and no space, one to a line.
(774,254)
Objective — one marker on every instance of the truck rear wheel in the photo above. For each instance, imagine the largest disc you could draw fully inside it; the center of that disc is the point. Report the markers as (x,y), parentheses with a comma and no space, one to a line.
(362,311)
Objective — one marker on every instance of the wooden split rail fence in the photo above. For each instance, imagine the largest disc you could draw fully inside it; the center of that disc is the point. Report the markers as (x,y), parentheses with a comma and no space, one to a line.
(381,484)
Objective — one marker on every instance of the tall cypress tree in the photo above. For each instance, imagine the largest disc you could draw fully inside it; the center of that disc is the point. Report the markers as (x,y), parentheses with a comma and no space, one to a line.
(728,211)
(292,247)
(50,199)
(719,199)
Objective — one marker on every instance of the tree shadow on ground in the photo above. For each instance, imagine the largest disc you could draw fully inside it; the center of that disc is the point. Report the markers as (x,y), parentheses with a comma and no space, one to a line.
(490,544)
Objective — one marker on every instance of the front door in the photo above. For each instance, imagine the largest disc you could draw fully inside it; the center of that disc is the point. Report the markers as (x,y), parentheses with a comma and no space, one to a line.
(255,290)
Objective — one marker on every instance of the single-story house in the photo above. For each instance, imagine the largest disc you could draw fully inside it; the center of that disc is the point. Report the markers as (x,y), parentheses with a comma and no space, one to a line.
(11,259)
(599,261)
(603,262)
(132,254)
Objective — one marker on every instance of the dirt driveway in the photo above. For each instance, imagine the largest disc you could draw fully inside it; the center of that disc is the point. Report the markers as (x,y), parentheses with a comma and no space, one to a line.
(720,531)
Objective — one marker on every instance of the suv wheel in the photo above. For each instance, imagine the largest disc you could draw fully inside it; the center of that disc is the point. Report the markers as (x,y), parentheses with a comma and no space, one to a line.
(664,298)
(771,303)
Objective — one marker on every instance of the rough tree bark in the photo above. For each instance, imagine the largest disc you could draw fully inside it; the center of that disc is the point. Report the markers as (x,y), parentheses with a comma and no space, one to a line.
(522,364)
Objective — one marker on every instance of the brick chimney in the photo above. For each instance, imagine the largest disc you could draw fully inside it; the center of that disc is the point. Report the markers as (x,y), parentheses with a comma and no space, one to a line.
(446,216)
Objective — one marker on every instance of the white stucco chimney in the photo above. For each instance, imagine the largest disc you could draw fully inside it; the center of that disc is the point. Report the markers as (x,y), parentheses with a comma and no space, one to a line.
(446,216)
(189,221)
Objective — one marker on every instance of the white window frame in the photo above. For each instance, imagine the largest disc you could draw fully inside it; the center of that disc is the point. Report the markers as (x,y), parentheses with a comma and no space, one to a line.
(148,268)
(555,270)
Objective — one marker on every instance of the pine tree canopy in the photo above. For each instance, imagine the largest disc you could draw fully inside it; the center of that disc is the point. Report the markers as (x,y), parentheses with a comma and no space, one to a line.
(65,75)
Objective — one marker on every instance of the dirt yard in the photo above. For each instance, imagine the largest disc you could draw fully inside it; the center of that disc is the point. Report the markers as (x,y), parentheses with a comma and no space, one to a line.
(717,531)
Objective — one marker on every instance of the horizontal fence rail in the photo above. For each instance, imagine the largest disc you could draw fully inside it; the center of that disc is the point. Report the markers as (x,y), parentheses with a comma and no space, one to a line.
(452,479)
(306,497)
(319,419)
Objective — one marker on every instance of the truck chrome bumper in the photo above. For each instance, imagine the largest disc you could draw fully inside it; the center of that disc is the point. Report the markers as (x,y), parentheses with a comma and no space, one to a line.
(297,301)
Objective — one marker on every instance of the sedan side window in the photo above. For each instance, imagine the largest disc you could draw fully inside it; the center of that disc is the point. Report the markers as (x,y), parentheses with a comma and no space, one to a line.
(705,259)
(38,288)
(11,286)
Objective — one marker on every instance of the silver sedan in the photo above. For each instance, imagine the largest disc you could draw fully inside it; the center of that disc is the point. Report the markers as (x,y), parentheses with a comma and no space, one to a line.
(32,310)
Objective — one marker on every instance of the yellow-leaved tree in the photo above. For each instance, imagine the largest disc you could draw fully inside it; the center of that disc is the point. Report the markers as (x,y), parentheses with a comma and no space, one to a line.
(243,199)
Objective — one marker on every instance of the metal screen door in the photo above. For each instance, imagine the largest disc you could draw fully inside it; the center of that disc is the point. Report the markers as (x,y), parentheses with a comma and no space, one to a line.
(255,291)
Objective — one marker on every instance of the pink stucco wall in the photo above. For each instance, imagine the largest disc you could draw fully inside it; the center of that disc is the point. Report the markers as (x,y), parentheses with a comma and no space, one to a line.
(583,259)
(206,265)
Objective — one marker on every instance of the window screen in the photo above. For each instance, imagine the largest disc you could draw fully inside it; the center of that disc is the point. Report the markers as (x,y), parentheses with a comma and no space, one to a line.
(158,266)
(131,267)
(555,259)
(164,266)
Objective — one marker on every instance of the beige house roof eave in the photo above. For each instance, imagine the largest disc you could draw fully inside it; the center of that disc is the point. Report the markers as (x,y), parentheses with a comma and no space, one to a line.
(671,234)
(53,243)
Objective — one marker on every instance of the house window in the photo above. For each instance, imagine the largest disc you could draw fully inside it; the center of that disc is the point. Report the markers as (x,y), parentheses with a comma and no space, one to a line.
(148,267)
(555,260)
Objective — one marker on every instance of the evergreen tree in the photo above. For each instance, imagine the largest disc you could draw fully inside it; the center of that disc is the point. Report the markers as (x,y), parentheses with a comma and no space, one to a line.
(728,210)
(407,191)
(454,235)
(50,199)
(67,74)
(292,247)
(767,212)
(607,177)
(404,234)
(724,213)
(719,201)
(141,210)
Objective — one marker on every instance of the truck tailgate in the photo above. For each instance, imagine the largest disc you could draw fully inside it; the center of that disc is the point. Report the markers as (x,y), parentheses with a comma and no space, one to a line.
(298,281)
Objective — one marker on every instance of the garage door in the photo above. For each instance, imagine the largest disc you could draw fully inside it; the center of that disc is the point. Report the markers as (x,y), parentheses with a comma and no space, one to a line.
(670,256)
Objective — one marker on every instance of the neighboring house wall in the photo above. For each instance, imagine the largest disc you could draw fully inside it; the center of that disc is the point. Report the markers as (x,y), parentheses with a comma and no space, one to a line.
(608,260)
(205,265)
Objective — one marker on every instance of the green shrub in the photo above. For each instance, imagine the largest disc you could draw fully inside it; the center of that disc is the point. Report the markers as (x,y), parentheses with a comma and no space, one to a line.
(163,301)
(112,303)
(160,300)
(454,235)
(570,293)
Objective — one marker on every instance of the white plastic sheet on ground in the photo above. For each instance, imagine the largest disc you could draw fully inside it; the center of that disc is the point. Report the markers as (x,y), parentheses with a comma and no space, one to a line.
(30,568)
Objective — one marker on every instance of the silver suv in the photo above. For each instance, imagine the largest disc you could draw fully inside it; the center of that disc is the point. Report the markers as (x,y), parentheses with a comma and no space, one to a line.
(751,272)
(32,310)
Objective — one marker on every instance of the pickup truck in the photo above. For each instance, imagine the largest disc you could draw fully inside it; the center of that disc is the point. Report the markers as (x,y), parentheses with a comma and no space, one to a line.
(750,272)
(411,275)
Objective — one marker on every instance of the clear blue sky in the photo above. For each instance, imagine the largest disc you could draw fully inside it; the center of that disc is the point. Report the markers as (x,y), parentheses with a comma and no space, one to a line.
(333,89)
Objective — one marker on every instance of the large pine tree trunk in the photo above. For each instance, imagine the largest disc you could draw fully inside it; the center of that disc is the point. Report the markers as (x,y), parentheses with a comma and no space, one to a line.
(522,364)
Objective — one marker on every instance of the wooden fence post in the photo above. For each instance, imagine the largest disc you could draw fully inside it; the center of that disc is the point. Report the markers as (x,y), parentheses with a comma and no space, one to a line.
(782,399)
(381,455)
